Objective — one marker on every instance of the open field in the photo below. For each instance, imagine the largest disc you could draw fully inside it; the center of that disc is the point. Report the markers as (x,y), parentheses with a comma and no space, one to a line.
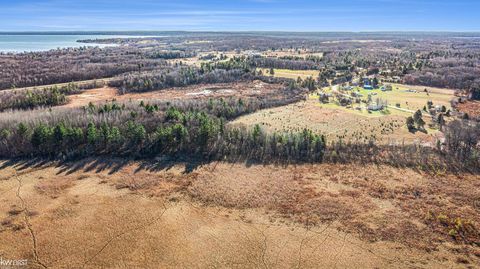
(86,214)
(197,61)
(93,96)
(336,123)
(293,74)
(192,61)
(241,89)
(410,100)
(102,81)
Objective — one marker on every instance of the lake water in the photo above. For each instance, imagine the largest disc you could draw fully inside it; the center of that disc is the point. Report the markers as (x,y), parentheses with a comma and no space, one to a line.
(28,43)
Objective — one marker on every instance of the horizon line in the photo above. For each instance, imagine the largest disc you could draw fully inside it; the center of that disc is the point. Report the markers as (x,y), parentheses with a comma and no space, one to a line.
(238,31)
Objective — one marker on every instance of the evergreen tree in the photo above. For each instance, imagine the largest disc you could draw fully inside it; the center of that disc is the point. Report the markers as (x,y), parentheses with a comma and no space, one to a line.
(92,134)
(22,130)
(410,123)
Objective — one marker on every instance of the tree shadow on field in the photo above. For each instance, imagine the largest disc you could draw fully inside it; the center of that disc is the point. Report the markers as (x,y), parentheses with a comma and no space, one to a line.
(22,164)
(103,164)
(113,165)
(97,165)
(165,164)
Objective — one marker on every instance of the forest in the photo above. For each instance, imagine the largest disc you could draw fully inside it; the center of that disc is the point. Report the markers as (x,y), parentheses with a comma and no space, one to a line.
(447,62)
(69,65)
(139,129)
(30,99)
(200,127)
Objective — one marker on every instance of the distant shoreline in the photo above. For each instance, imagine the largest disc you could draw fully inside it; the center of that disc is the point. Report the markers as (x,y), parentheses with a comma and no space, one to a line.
(324,34)
(44,42)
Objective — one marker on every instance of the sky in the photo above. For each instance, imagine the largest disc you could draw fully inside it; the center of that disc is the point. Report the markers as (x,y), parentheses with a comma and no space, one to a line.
(240,15)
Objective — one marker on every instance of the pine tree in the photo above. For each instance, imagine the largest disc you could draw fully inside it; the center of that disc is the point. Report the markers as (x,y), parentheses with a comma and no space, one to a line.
(410,123)
(92,134)
(22,130)
(441,121)
(60,133)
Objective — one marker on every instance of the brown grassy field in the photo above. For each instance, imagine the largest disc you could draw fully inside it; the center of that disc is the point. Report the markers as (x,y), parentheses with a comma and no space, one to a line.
(117,214)
(93,96)
(192,61)
(472,108)
(335,123)
(242,89)
(292,74)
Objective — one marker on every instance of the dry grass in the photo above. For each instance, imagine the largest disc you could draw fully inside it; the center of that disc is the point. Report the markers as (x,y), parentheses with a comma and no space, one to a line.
(53,187)
(409,98)
(293,74)
(241,89)
(335,123)
(414,100)
(472,108)
(378,203)
(237,216)
(93,95)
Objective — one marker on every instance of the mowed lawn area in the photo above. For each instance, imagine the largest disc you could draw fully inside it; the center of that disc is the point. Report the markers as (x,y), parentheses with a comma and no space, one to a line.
(335,123)
(349,124)
(408,97)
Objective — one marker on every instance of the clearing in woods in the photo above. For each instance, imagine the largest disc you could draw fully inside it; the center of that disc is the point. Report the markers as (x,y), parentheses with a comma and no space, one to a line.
(288,73)
(335,123)
(408,97)
(219,90)
(352,124)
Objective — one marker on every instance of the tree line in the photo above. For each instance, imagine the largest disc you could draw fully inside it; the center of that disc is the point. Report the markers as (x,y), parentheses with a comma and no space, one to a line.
(30,99)
(74,64)
(142,130)
(178,77)
(227,72)
(200,129)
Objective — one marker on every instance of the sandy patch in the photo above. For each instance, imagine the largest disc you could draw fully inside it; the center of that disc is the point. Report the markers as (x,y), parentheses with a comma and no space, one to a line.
(94,96)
